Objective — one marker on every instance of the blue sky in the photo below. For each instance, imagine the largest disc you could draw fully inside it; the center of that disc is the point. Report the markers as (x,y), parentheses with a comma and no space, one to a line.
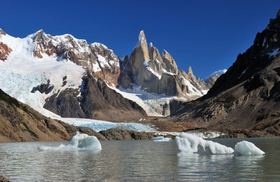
(208,35)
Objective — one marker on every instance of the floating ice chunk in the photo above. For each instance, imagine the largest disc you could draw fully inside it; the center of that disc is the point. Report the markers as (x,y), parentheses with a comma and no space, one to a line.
(247,148)
(161,139)
(78,142)
(189,143)
(83,141)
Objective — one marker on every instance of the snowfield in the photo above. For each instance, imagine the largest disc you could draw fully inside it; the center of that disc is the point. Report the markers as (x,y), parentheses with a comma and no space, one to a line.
(22,71)
(152,103)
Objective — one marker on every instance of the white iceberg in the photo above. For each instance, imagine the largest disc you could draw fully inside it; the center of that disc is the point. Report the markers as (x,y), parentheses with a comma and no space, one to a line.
(78,142)
(247,148)
(189,143)
(161,139)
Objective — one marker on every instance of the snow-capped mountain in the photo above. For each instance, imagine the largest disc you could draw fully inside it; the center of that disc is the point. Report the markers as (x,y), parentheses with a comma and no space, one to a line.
(66,76)
(213,77)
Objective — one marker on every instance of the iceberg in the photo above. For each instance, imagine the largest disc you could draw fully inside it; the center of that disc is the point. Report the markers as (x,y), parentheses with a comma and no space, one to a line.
(78,142)
(161,139)
(189,143)
(247,148)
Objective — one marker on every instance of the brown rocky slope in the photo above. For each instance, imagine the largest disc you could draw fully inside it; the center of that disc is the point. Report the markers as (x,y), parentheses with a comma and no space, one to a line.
(247,97)
(18,122)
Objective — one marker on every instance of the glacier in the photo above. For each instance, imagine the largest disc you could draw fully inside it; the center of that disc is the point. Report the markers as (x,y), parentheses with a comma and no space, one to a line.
(152,103)
(99,125)
(78,142)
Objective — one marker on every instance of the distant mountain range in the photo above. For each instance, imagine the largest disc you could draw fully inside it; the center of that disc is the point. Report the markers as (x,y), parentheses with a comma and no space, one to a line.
(66,76)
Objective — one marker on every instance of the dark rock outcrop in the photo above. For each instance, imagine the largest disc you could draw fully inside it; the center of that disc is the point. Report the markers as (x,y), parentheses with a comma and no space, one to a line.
(97,101)
(120,134)
(66,104)
(4,51)
(45,88)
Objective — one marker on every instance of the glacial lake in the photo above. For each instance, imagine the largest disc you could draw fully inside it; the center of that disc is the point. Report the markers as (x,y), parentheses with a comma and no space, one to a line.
(138,161)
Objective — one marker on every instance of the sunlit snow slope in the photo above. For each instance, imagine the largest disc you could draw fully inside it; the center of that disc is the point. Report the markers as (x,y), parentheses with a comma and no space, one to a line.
(21,72)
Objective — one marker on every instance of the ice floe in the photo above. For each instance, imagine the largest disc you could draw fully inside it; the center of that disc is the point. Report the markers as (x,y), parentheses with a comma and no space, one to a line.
(247,148)
(78,142)
(161,139)
(190,144)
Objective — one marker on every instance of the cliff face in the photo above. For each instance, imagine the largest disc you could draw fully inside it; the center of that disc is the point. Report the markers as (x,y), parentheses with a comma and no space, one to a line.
(247,95)
(97,100)
(158,73)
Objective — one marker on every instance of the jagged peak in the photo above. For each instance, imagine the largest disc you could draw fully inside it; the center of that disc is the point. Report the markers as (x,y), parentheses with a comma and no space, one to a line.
(2,31)
(278,14)
(142,41)
(142,36)
(166,54)
(190,71)
(67,35)
(103,46)
(218,72)
(38,35)
(97,44)
(39,31)
(41,34)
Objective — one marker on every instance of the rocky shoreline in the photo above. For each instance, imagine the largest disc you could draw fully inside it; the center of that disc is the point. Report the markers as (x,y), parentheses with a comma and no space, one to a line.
(123,134)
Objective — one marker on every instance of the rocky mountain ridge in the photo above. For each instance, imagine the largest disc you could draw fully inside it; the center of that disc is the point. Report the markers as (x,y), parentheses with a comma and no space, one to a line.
(73,78)
(158,73)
